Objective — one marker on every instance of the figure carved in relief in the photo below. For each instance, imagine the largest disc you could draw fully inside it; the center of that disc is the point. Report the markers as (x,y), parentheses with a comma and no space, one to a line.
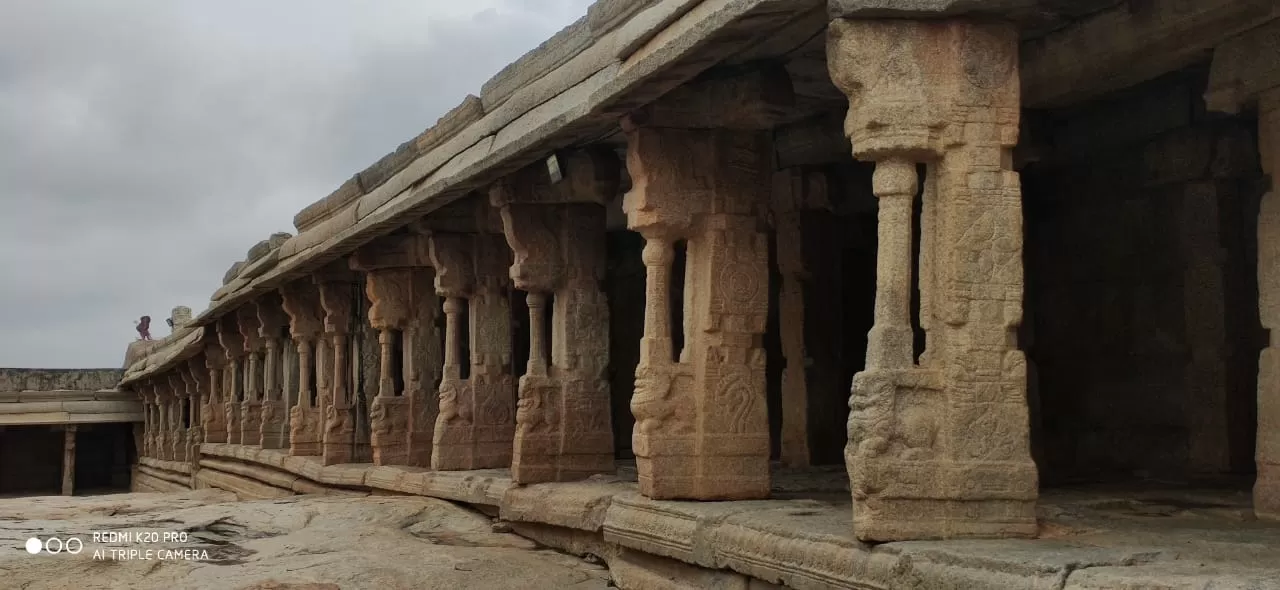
(534,411)
(652,404)
(450,410)
(379,420)
(335,422)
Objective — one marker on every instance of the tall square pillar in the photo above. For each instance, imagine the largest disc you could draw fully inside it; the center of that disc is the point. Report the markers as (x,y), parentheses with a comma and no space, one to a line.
(939,443)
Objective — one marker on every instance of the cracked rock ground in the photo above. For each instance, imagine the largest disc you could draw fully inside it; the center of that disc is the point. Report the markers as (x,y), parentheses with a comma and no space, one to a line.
(314,543)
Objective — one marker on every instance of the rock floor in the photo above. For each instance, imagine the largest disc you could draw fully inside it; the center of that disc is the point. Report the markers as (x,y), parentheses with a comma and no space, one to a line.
(305,542)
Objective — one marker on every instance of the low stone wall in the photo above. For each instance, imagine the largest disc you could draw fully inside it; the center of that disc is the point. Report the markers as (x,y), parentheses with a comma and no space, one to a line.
(59,379)
(649,544)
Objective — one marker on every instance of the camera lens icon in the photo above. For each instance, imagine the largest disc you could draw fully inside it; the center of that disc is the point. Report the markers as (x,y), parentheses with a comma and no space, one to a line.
(54,545)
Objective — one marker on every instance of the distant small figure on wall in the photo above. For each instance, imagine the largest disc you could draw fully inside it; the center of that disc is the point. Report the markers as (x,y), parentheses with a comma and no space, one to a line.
(144,327)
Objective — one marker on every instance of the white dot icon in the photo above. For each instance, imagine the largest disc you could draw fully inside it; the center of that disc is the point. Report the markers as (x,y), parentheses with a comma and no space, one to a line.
(33,545)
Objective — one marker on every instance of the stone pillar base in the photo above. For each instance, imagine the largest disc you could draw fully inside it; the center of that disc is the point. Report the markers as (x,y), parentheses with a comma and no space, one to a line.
(304,432)
(272,432)
(684,474)
(480,448)
(907,484)
(339,437)
(232,414)
(251,423)
(538,459)
(389,436)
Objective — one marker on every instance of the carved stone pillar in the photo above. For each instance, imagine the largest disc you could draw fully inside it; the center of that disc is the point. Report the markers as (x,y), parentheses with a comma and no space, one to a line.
(1244,74)
(389,290)
(795,191)
(271,328)
(338,443)
(254,375)
(191,372)
(702,428)
(232,343)
(557,231)
(476,422)
(144,449)
(212,415)
(301,301)
(178,441)
(1266,492)
(402,298)
(940,448)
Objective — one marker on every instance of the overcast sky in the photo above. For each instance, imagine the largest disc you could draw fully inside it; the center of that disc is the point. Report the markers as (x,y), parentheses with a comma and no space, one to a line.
(145,145)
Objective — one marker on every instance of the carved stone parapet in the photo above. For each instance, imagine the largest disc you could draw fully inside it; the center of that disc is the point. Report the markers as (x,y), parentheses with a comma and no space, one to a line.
(944,95)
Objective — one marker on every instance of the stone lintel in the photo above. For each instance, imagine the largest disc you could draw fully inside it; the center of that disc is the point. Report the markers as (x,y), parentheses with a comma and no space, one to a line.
(756,97)
(926,8)
(402,251)
(470,214)
(814,141)
(1131,43)
(591,175)
(1243,68)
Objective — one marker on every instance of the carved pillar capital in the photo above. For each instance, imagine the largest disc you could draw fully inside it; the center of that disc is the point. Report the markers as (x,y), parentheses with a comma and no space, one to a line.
(451,257)
(300,300)
(910,81)
(390,291)
(250,328)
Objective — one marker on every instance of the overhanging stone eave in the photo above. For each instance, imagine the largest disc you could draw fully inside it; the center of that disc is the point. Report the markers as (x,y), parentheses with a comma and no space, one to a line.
(181,349)
(584,110)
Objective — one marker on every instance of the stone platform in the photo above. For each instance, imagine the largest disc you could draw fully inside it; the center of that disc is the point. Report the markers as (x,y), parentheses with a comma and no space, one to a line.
(1090,538)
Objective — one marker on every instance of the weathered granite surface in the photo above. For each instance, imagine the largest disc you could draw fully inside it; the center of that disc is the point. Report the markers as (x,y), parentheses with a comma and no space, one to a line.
(58,379)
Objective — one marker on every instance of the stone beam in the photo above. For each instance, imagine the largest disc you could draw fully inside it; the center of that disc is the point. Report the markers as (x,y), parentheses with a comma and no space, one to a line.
(754,98)
(925,8)
(399,251)
(1243,68)
(1131,43)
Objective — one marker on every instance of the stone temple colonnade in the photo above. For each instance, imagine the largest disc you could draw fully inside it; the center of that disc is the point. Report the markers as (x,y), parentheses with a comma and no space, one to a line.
(476,337)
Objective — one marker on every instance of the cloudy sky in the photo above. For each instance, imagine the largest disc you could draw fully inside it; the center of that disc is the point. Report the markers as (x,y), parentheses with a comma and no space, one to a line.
(145,145)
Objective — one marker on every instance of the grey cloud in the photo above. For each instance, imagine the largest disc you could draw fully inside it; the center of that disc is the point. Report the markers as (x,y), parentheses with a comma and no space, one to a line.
(145,145)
